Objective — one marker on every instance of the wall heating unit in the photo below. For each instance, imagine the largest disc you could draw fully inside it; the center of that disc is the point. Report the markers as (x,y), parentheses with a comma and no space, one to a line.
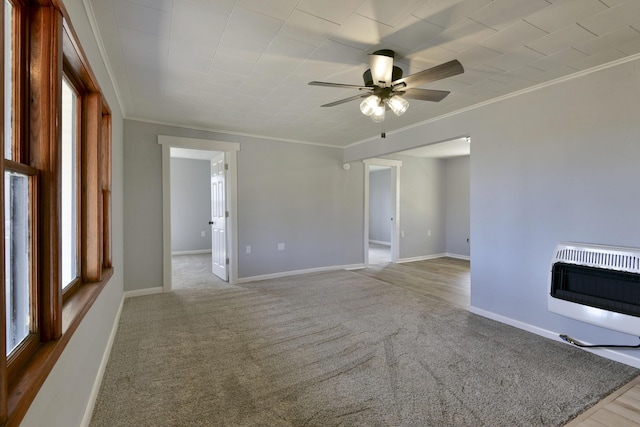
(597,284)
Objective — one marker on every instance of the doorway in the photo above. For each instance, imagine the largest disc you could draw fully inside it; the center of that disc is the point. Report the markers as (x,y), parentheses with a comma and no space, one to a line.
(229,240)
(382,247)
(380,214)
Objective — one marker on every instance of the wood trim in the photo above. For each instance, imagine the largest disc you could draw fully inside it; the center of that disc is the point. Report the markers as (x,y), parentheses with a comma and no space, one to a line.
(106,230)
(76,58)
(21,355)
(25,389)
(10,165)
(20,82)
(107,260)
(91,217)
(46,46)
(3,302)
(45,113)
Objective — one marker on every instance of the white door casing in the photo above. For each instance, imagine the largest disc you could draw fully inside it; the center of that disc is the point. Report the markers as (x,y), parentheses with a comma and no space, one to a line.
(231,151)
(218,217)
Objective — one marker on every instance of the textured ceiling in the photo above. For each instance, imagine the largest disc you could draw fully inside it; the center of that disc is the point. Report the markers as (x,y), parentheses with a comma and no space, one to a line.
(243,66)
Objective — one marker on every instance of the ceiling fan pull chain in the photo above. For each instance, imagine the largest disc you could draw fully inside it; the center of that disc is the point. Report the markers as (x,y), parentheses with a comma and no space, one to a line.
(383,134)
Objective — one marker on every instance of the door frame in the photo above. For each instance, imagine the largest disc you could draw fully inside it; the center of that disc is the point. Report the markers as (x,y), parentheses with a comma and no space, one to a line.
(231,154)
(395,205)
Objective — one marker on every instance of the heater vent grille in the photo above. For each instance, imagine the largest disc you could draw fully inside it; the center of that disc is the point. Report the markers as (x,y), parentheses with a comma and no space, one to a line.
(609,257)
(597,284)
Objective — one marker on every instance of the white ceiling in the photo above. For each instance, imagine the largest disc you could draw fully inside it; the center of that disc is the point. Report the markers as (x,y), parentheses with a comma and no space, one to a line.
(242,66)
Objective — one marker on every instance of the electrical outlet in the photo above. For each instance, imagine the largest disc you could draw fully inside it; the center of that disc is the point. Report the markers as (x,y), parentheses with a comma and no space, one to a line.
(281,246)
(429,233)
(202,234)
(401,233)
(248,249)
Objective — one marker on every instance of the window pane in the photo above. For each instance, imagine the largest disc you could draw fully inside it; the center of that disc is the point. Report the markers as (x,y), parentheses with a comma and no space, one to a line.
(69,186)
(17,258)
(8,79)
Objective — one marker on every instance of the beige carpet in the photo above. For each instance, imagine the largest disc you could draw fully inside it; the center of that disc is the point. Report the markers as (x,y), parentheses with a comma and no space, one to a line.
(335,349)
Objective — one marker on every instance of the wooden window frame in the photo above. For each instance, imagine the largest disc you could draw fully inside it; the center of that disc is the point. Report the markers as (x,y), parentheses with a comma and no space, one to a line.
(45,47)
(19,357)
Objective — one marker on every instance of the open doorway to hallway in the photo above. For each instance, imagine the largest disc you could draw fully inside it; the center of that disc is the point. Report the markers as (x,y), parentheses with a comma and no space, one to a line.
(197,246)
(208,222)
(432,209)
(380,214)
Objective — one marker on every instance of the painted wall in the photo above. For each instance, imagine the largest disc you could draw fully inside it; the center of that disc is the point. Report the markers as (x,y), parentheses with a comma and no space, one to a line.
(457,200)
(190,205)
(299,195)
(422,207)
(380,205)
(296,194)
(556,164)
(63,398)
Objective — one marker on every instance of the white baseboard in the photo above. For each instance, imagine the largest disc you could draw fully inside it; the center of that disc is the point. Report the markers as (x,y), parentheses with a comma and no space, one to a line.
(88,412)
(380,242)
(602,352)
(464,257)
(142,292)
(421,258)
(297,272)
(434,256)
(193,252)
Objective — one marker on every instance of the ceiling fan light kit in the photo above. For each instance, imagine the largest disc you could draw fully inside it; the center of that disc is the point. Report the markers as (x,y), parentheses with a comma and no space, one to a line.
(369,105)
(379,113)
(398,104)
(385,87)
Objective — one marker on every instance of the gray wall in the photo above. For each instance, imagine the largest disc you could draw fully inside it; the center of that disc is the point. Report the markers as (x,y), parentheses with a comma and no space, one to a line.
(63,398)
(422,206)
(380,206)
(142,206)
(190,205)
(296,194)
(556,164)
(457,201)
(299,195)
(434,196)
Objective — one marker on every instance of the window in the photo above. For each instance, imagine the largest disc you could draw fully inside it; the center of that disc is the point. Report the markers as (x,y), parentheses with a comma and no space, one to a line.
(17,213)
(69,175)
(57,195)
(19,187)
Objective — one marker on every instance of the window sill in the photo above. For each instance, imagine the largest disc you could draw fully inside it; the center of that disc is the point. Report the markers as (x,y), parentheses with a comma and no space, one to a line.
(25,388)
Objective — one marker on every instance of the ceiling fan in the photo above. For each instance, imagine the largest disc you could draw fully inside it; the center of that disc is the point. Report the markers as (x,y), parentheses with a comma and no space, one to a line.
(385,87)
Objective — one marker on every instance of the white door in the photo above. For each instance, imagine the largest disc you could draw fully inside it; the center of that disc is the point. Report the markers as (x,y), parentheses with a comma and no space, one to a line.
(218,218)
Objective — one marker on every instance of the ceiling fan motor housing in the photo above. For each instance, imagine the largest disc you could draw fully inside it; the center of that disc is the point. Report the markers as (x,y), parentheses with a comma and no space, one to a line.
(395,75)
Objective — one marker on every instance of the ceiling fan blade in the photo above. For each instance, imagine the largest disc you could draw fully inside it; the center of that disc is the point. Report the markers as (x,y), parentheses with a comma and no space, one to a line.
(339,85)
(381,67)
(342,101)
(442,71)
(425,94)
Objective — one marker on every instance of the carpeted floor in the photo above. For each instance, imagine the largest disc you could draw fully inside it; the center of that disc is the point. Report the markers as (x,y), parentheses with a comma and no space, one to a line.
(193,272)
(336,348)
(379,254)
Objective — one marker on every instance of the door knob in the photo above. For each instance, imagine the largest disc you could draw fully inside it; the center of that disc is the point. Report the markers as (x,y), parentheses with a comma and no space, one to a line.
(212,222)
